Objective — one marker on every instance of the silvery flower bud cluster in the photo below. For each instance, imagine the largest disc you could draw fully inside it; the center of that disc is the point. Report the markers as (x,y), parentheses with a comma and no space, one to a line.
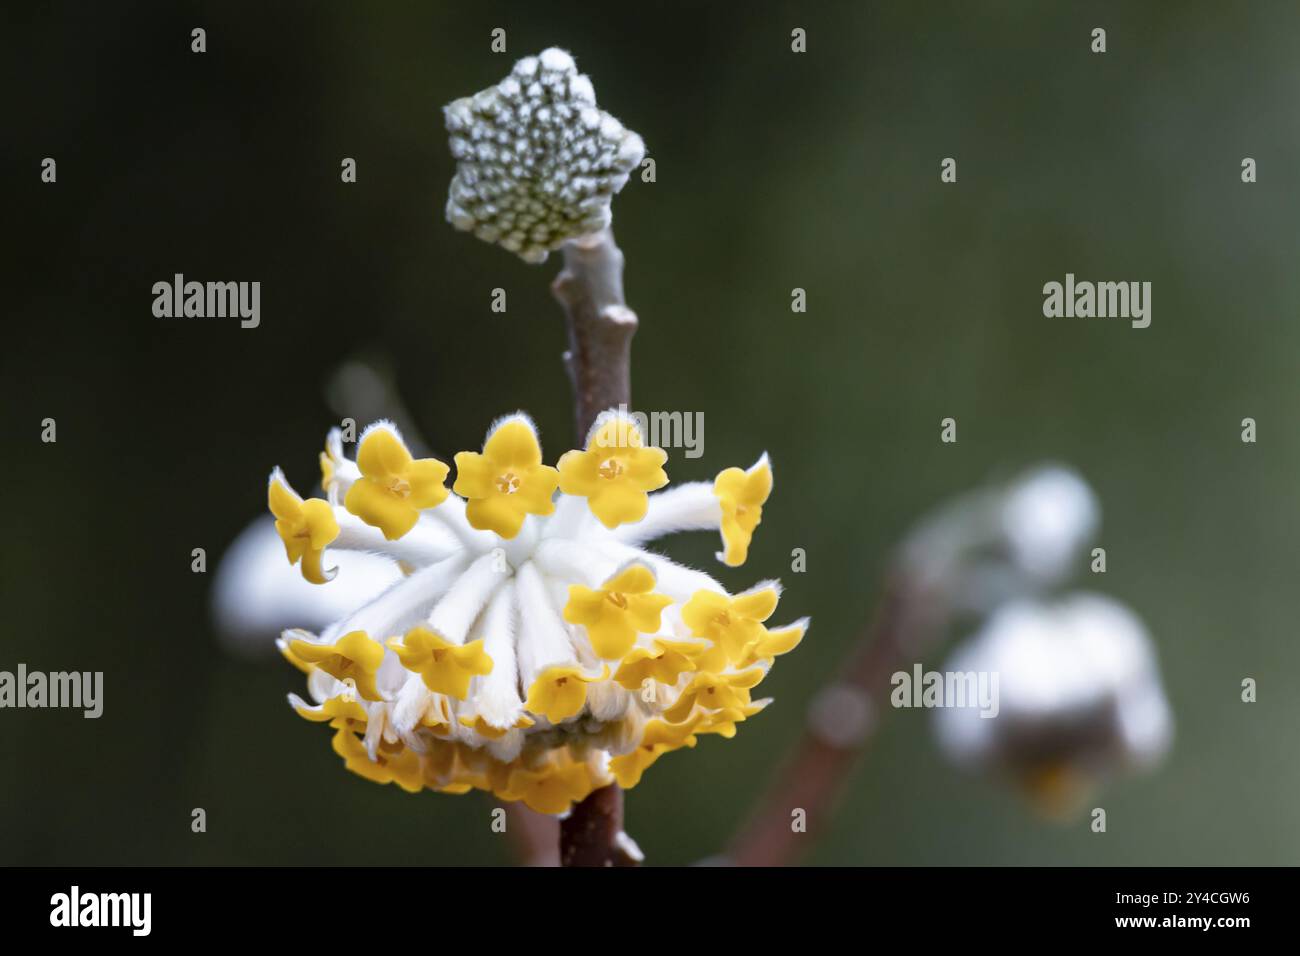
(537,162)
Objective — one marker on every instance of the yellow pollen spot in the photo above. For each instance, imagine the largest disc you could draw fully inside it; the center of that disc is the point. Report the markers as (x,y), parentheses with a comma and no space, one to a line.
(618,600)
(508,483)
(610,469)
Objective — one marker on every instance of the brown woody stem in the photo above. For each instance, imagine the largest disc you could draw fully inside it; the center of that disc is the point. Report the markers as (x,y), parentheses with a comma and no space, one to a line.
(600,328)
(842,721)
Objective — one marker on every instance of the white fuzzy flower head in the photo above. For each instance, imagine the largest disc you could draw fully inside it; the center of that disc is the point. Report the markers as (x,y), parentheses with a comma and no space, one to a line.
(537,162)
(1048,515)
(1007,540)
(530,646)
(1079,697)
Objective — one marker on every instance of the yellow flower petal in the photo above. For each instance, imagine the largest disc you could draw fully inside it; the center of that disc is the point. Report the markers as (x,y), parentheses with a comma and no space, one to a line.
(628,768)
(514,443)
(495,513)
(756,605)
(774,644)
(723,722)
(326,471)
(478,724)
(636,578)
(340,711)
(382,454)
(425,478)
(284,503)
(287,652)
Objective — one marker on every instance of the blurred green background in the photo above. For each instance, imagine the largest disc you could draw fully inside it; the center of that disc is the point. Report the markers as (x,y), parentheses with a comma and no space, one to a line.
(775,170)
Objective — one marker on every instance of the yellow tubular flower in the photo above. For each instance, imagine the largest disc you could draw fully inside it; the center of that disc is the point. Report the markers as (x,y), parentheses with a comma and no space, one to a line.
(723,722)
(663,663)
(486,730)
(742,495)
(717,692)
(733,624)
(440,763)
(402,768)
(660,737)
(355,656)
(559,692)
(508,481)
(393,486)
(437,717)
(551,790)
(619,610)
(615,471)
(305,527)
(447,668)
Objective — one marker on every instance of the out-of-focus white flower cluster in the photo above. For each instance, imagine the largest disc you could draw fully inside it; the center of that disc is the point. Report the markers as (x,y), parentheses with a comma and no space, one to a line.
(1080,697)
(1004,541)
(1078,686)
(537,162)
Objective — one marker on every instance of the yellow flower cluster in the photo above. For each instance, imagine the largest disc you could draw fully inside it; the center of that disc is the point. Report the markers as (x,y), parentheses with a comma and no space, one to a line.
(549,656)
